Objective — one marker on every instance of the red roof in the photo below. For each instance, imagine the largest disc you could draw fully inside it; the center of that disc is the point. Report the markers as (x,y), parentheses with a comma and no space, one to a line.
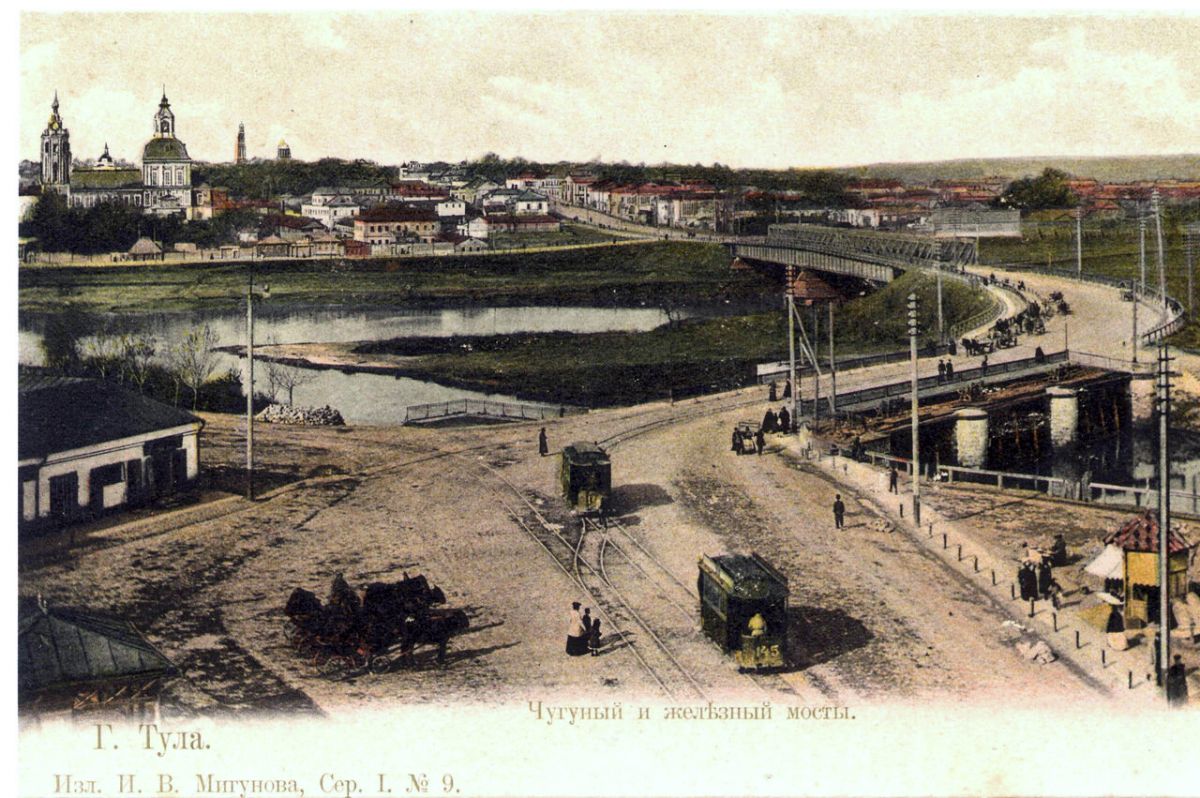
(1140,533)
(393,213)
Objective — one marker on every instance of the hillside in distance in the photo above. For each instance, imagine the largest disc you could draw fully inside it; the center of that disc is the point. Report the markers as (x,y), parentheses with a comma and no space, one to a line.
(1112,169)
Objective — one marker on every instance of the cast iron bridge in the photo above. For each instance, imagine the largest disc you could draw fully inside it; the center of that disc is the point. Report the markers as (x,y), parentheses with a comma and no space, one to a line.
(875,257)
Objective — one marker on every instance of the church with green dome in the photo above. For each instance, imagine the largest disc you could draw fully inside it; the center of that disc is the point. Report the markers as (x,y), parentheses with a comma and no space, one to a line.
(162,187)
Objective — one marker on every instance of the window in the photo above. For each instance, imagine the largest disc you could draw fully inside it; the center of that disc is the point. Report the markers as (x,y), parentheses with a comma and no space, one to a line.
(108,475)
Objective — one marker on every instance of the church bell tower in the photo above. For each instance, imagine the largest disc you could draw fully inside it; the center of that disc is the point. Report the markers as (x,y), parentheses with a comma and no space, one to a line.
(240,154)
(56,152)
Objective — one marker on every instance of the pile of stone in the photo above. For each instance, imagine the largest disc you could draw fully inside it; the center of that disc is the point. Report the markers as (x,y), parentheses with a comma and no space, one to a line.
(313,416)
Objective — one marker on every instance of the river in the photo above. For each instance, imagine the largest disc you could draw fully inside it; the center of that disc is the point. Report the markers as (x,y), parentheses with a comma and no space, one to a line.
(362,398)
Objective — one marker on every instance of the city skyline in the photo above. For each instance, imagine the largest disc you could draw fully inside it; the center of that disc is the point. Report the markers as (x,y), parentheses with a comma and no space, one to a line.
(747,91)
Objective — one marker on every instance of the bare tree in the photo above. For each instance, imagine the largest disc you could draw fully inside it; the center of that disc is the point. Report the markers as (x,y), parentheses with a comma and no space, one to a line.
(192,361)
(102,350)
(138,350)
(290,377)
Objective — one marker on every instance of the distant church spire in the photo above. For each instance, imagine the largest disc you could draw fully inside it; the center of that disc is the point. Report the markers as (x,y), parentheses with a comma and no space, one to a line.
(56,152)
(239,155)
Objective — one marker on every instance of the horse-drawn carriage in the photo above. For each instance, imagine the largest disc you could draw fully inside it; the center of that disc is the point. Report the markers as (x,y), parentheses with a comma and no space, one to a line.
(389,621)
(973,346)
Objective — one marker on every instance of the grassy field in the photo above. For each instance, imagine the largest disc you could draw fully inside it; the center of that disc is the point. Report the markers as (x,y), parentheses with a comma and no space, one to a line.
(654,273)
(1109,249)
(570,234)
(617,368)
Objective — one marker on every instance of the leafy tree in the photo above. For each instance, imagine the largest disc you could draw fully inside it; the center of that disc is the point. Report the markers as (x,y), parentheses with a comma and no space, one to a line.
(1047,190)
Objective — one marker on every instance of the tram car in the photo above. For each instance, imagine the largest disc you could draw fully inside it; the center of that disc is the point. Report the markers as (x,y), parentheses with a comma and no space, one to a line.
(743,609)
(586,477)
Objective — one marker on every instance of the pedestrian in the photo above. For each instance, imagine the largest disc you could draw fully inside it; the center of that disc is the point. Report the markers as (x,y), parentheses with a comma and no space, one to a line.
(892,477)
(787,389)
(1155,651)
(1027,581)
(785,421)
(1058,551)
(1039,356)
(856,449)
(949,368)
(839,511)
(594,638)
(941,371)
(759,441)
(1045,576)
(735,445)
(576,642)
(1115,631)
(543,445)
(768,422)
(771,396)
(983,366)
(1177,690)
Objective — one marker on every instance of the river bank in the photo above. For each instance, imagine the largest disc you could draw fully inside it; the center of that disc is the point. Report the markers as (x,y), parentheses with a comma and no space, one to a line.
(655,274)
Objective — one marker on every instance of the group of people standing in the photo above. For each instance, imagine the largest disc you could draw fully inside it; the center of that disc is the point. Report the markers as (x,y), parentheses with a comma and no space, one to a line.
(945,370)
(1035,579)
(772,396)
(583,632)
(777,422)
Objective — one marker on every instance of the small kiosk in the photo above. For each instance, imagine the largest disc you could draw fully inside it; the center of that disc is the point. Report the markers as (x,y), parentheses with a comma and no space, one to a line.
(1137,538)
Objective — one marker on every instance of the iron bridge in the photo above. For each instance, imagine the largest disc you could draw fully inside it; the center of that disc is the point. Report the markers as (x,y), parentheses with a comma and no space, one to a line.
(876,257)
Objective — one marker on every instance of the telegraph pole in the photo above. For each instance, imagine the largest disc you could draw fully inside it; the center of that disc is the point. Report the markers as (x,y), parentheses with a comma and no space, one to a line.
(1162,268)
(250,292)
(941,317)
(832,367)
(1136,297)
(791,311)
(1079,242)
(1164,509)
(916,445)
(1142,245)
(1189,233)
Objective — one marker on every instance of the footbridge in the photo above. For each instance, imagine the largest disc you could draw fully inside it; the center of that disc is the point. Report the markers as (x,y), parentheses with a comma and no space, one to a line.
(872,256)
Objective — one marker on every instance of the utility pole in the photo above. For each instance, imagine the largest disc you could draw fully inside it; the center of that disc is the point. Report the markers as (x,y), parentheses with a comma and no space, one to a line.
(916,438)
(832,367)
(1164,509)
(250,292)
(1136,297)
(1079,242)
(941,316)
(791,311)
(1189,233)
(1142,246)
(1162,268)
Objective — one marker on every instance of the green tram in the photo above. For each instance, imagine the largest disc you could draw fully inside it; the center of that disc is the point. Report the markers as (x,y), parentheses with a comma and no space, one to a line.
(586,477)
(743,608)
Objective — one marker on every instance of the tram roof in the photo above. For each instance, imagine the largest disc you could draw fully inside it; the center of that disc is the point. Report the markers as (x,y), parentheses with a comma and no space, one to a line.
(584,452)
(748,576)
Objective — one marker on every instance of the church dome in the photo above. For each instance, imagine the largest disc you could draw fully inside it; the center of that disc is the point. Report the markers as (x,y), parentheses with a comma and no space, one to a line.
(165,149)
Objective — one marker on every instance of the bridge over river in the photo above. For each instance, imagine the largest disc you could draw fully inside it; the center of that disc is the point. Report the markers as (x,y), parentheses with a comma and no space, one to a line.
(871,256)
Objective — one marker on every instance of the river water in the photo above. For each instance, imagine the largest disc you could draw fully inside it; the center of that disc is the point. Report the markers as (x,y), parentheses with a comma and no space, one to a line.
(362,398)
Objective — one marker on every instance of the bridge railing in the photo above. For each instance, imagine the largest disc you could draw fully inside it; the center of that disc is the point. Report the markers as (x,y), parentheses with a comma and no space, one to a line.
(960,378)
(1174,320)
(487,408)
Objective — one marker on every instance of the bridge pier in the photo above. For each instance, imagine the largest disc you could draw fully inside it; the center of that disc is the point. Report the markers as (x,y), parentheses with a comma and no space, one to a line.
(1064,415)
(971,437)
(1141,398)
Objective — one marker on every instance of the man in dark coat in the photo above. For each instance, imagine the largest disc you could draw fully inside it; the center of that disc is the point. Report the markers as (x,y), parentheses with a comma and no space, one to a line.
(543,444)
(839,511)
(787,389)
(1177,690)
(892,477)
(735,442)
(785,420)
(759,441)
(1045,577)
(771,396)
(768,422)
(1027,581)
(941,371)
(949,369)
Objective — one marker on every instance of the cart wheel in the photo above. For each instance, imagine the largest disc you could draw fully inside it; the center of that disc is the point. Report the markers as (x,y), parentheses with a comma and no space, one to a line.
(336,664)
(379,664)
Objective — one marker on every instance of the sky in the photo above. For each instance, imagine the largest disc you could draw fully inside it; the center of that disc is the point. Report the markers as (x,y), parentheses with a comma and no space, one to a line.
(746,90)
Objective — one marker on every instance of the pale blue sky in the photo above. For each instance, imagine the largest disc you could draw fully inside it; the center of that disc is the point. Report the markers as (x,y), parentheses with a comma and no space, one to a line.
(743,90)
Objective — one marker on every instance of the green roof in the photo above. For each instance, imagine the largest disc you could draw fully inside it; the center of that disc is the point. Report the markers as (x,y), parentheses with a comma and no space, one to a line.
(165,149)
(105,178)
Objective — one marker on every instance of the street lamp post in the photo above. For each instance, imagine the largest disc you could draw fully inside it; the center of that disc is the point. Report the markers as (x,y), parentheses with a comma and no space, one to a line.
(941,316)
(1079,242)
(1142,246)
(916,445)
(791,311)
